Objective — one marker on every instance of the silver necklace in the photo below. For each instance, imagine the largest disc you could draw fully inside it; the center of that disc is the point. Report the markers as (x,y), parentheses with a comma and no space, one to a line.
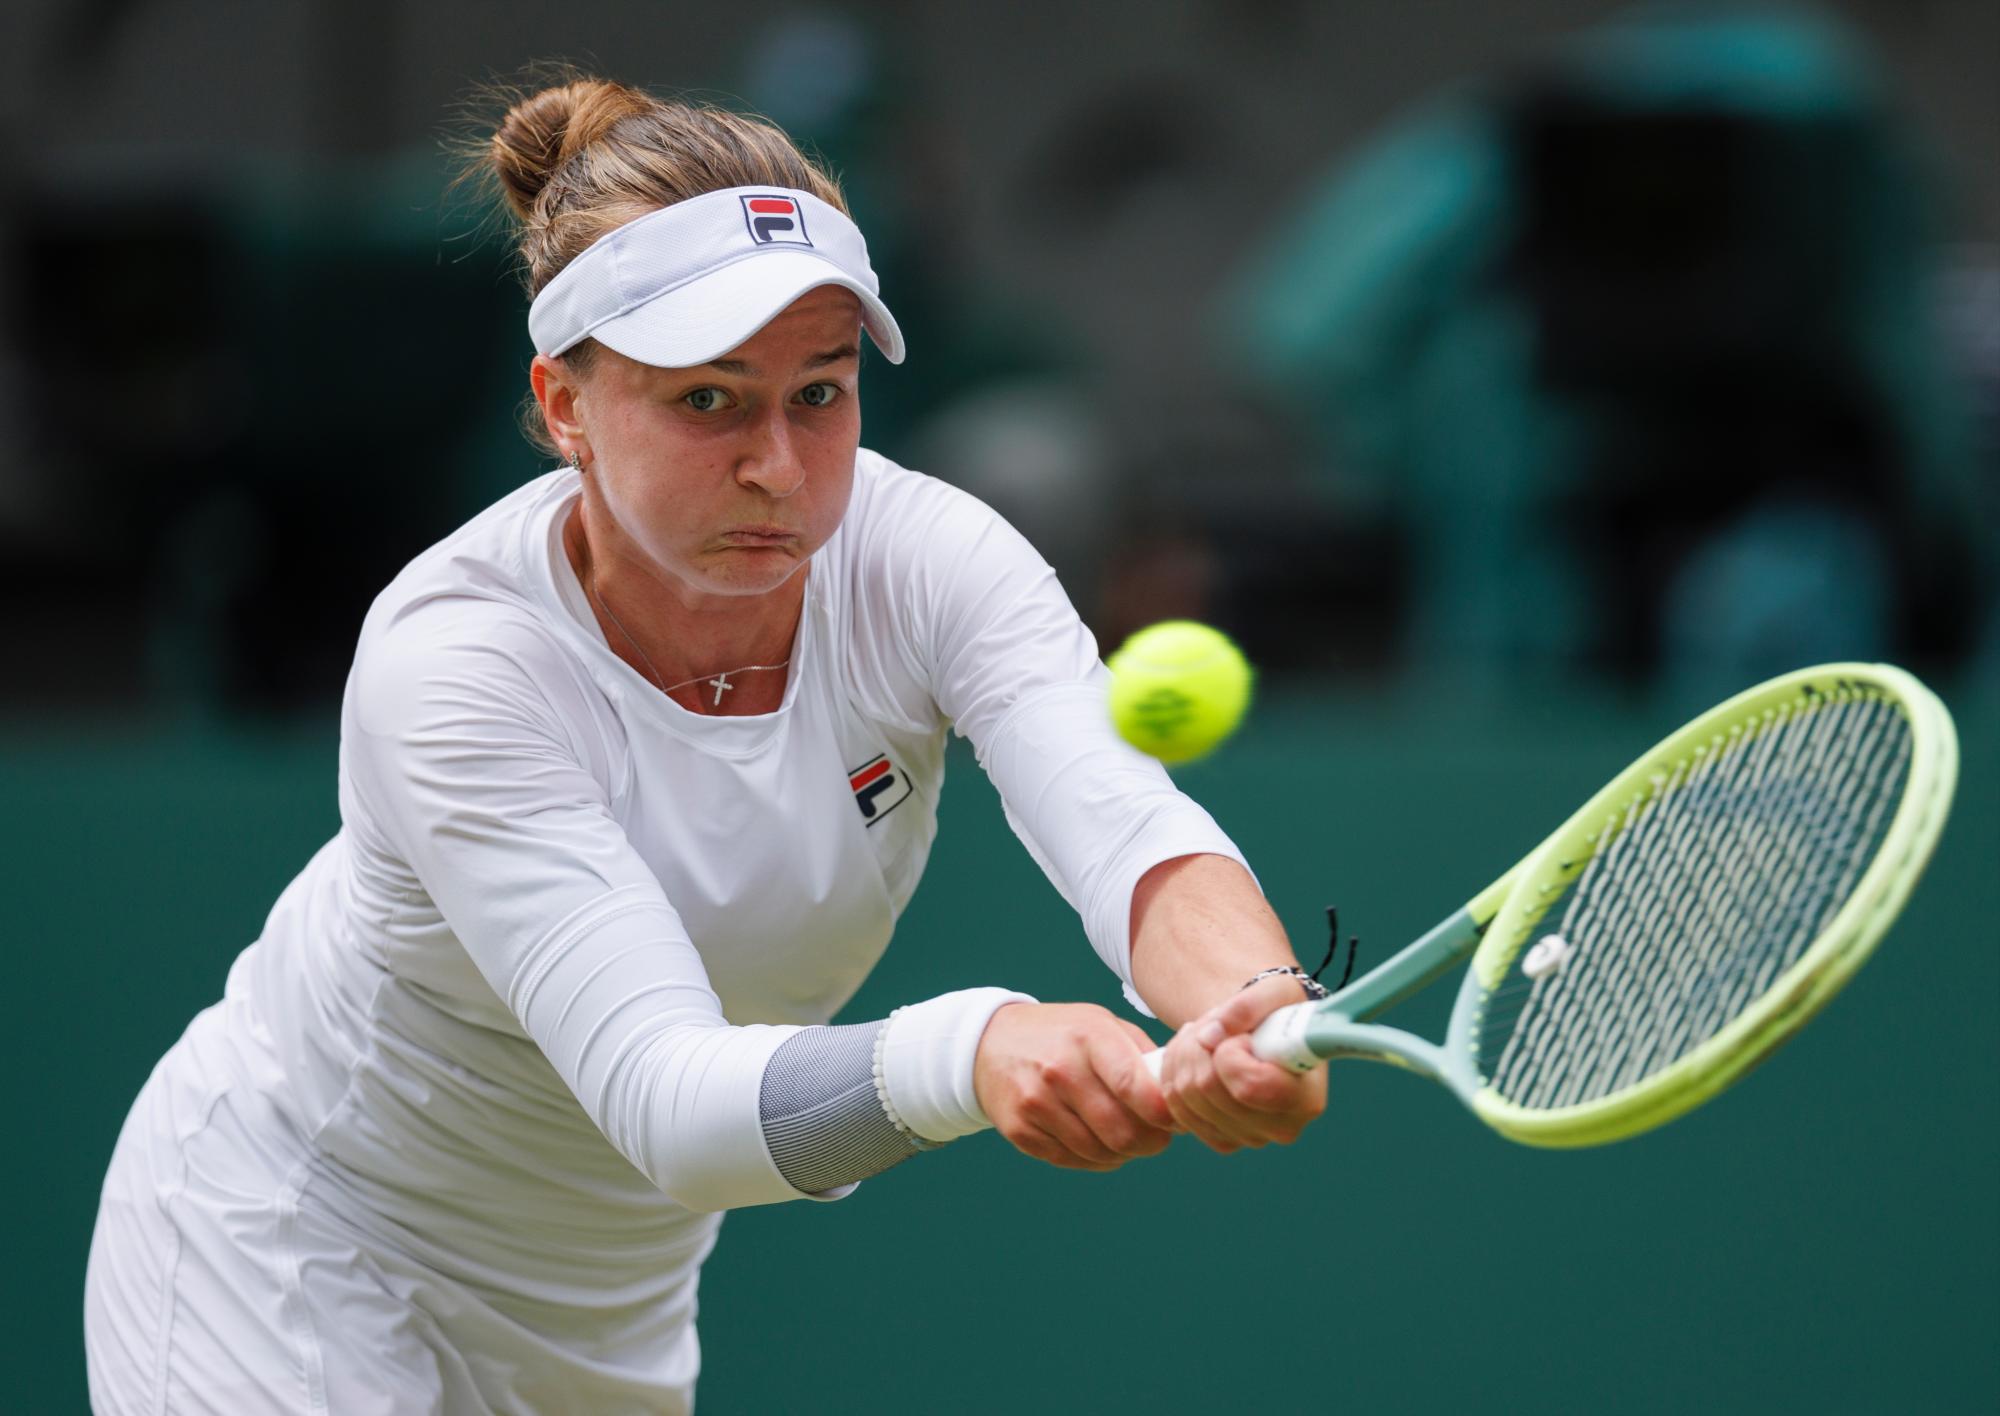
(719,682)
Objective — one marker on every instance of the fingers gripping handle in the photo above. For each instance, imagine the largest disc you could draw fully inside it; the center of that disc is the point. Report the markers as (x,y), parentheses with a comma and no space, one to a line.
(1280,1038)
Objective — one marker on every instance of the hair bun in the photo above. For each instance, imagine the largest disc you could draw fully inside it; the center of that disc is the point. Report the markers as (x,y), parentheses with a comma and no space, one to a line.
(544,130)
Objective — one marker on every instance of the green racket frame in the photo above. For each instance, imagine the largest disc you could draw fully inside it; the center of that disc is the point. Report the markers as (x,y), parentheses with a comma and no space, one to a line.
(1498,922)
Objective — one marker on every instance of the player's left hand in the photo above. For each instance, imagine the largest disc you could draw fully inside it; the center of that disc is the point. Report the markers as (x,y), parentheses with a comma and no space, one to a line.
(1067,1083)
(1220,1090)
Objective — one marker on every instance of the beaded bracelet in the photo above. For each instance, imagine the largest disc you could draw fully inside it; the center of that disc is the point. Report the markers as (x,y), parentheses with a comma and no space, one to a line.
(1315,990)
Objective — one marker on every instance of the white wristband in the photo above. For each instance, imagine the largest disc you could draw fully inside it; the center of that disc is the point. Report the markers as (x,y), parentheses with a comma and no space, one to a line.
(924,1062)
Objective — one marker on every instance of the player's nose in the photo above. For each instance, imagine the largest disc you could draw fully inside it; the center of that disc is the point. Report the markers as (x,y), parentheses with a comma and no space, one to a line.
(770,459)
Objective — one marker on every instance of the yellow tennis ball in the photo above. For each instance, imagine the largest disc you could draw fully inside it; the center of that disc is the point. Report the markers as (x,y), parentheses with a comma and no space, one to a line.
(1178,689)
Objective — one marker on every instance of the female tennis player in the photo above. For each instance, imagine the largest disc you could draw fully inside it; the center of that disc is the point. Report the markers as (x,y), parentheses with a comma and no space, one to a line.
(637,770)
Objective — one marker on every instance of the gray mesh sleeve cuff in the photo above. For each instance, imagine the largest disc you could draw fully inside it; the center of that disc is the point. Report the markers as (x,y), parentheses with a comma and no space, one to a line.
(823,1117)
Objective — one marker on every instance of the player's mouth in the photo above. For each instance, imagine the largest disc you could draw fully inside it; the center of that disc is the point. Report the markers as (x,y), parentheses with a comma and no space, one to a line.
(759,536)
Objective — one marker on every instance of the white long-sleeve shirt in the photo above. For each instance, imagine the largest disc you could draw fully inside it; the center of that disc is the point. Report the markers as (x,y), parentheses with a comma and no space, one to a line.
(516,1012)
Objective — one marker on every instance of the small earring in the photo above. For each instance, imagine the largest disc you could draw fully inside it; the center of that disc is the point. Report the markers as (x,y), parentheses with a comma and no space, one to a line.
(575,462)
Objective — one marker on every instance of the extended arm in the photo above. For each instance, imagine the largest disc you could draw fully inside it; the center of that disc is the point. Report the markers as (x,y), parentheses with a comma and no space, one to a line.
(838,1104)
(461,766)
(1163,893)
(1200,929)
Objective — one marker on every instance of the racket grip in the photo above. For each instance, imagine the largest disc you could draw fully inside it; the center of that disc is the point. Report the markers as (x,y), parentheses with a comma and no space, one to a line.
(1280,1038)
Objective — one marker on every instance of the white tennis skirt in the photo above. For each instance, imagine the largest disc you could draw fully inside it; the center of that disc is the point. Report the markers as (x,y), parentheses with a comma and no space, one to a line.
(222,1279)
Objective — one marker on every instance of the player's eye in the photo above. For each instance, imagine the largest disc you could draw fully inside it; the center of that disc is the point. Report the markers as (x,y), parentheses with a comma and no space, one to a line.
(706,399)
(819,395)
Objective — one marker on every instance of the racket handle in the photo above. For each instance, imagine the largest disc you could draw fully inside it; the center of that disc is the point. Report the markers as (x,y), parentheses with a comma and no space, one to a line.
(1280,1038)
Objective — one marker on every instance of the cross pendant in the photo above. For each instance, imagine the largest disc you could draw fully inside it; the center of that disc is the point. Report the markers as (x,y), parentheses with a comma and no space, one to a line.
(721,685)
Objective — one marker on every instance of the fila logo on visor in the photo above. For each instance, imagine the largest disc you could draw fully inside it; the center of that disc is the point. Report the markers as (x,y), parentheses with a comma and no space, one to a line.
(775,219)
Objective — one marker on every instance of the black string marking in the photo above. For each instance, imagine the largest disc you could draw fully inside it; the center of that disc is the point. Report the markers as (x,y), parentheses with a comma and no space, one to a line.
(1333,944)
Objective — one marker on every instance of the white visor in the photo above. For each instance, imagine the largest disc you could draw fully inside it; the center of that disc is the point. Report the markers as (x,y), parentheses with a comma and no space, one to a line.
(688,283)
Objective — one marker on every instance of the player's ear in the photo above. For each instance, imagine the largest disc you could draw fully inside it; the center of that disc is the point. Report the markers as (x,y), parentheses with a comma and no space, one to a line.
(558,394)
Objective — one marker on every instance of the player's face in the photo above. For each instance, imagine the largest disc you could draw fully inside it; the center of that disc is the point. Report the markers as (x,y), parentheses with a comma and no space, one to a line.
(729,475)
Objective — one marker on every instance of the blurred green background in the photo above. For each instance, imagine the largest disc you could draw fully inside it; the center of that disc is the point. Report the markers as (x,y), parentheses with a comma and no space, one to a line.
(1824,1238)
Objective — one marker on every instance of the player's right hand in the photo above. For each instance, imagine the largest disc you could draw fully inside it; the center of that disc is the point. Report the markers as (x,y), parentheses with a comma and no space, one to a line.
(1067,1083)
(1222,1092)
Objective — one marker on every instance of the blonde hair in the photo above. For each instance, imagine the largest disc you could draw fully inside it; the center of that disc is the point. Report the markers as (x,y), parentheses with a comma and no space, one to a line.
(578,158)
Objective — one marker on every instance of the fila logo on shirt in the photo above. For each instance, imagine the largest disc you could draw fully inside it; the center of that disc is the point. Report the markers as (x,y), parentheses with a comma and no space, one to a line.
(775,219)
(879,788)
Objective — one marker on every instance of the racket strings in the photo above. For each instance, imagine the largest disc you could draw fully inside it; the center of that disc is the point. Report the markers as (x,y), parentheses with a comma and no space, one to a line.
(1770,889)
(1707,976)
(1576,1005)
(1610,994)
(1612,873)
(1830,853)
(1697,911)
(1698,896)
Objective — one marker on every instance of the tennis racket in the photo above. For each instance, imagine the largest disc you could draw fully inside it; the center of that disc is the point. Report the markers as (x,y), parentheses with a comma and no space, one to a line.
(1682,924)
